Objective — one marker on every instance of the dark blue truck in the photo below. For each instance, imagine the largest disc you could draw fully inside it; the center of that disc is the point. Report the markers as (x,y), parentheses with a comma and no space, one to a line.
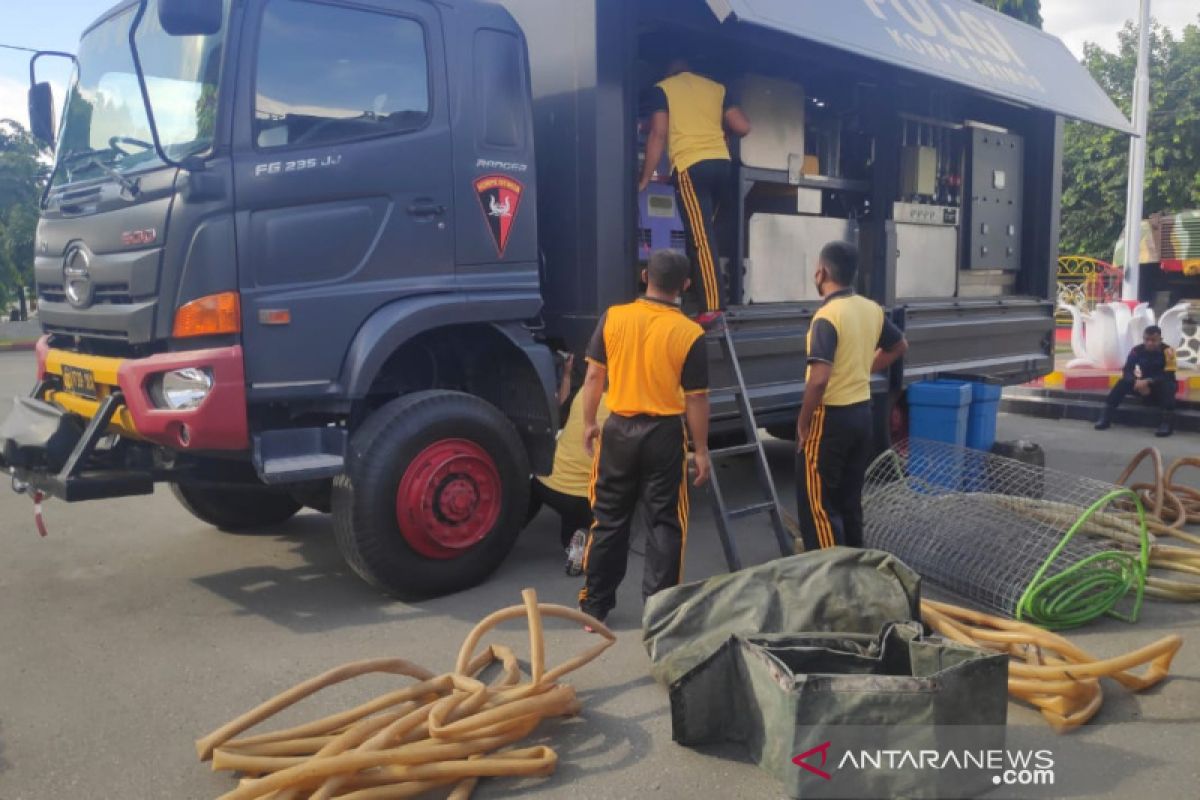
(323,253)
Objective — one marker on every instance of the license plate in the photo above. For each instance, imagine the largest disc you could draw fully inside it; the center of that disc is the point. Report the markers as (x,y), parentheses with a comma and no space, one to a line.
(79,381)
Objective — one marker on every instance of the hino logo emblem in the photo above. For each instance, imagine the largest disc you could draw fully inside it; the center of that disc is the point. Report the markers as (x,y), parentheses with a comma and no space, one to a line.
(77,280)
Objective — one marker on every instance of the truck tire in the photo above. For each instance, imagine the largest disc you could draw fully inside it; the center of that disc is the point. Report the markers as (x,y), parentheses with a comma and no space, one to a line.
(235,509)
(435,492)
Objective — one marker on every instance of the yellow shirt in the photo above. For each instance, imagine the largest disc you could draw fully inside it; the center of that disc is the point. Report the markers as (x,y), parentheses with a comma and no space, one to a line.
(654,355)
(572,465)
(697,111)
(845,332)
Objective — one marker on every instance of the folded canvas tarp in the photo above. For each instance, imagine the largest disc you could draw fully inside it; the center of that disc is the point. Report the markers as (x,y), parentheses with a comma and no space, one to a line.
(757,657)
(839,589)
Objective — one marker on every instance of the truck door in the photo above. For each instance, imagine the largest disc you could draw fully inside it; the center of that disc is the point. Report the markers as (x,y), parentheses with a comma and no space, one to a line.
(343,178)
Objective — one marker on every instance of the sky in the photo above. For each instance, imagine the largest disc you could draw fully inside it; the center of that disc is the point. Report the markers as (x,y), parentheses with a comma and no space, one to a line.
(1079,21)
(56,25)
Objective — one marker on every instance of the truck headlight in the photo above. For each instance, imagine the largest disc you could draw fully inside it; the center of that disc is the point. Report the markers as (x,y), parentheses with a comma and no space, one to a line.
(182,389)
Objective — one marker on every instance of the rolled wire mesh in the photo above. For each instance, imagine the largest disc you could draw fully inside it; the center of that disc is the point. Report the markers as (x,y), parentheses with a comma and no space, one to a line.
(1013,538)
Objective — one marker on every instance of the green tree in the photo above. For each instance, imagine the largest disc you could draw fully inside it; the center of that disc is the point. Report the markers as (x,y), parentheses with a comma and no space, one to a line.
(1025,10)
(1096,161)
(23,174)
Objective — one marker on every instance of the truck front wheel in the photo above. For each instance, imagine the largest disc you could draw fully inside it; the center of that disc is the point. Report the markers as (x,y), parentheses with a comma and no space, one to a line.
(234,508)
(435,492)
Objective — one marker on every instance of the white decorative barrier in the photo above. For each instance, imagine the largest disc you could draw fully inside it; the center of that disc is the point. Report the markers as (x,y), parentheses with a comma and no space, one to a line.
(1103,338)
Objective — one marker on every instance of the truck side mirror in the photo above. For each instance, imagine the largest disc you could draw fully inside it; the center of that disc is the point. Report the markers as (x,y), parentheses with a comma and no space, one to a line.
(41,113)
(190,17)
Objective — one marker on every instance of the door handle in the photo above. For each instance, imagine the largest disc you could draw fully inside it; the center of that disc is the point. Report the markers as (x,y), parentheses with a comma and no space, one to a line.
(426,209)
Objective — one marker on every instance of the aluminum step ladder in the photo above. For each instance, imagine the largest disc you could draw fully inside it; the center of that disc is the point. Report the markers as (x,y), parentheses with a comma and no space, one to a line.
(769,504)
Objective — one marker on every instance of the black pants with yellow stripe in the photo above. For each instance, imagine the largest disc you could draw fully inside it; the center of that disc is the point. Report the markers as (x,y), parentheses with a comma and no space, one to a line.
(830,469)
(699,189)
(640,458)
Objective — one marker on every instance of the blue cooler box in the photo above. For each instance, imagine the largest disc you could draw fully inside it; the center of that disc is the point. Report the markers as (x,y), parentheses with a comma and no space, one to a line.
(938,411)
(981,421)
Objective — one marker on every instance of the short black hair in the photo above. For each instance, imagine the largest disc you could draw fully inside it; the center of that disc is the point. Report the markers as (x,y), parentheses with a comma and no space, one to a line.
(1153,330)
(677,64)
(841,259)
(668,270)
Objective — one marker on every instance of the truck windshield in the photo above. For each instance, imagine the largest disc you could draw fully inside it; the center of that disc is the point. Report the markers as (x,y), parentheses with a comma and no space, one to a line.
(105,126)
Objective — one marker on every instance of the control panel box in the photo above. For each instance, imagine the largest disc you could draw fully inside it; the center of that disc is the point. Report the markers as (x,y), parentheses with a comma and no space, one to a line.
(661,227)
(926,260)
(995,200)
(919,214)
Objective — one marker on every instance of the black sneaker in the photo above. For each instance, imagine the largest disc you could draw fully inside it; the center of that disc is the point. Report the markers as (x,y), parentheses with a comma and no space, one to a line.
(1164,430)
(1105,421)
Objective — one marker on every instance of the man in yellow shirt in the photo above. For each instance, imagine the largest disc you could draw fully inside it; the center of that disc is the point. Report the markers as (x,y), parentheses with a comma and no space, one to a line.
(849,340)
(691,116)
(567,488)
(656,365)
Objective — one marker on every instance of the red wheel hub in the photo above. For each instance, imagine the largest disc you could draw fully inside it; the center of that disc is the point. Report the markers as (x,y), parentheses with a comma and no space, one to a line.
(449,498)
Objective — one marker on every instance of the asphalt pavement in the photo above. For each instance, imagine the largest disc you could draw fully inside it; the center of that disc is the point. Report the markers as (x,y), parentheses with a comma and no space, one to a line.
(133,629)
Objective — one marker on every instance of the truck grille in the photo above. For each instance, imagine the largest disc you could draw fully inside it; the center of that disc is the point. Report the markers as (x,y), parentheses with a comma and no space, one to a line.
(105,294)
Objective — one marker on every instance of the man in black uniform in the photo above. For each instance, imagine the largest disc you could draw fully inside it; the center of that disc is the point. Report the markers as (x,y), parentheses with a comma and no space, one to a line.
(850,339)
(657,370)
(1150,372)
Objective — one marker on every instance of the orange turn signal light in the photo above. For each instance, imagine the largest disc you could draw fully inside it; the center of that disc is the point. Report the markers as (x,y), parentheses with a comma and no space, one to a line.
(209,316)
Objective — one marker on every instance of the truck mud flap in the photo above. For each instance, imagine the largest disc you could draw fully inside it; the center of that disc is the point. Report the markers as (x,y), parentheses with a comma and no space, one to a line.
(49,451)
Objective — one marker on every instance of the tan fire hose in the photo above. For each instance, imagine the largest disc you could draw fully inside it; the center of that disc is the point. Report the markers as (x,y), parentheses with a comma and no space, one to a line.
(1047,671)
(1170,506)
(1171,503)
(446,730)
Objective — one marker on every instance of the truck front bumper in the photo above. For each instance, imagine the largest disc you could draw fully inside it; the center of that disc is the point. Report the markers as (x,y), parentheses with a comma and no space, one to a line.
(52,441)
(217,423)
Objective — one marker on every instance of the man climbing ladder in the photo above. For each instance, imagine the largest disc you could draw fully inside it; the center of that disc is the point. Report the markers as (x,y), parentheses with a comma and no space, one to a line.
(692,114)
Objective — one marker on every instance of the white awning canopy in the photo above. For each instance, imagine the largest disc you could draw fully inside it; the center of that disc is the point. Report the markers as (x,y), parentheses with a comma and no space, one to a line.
(952,40)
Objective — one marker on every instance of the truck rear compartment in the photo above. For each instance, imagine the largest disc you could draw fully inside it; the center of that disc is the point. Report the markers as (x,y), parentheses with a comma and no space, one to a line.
(950,195)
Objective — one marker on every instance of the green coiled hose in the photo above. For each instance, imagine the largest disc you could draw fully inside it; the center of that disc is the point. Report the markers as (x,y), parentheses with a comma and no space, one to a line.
(1093,586)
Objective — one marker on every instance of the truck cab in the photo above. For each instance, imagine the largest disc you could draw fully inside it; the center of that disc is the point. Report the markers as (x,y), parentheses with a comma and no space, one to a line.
(323,253)
(286,243)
